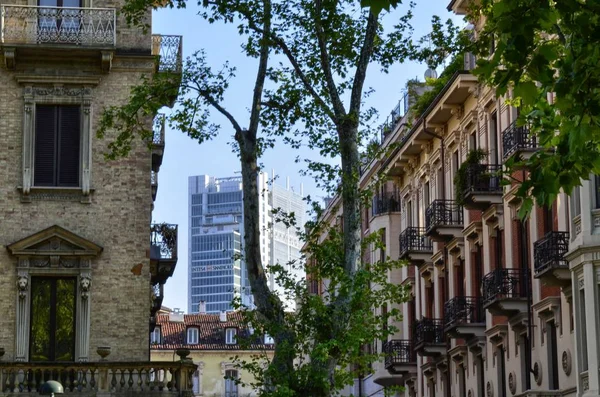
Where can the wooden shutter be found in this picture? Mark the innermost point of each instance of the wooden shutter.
(45, 145)
(68, 146)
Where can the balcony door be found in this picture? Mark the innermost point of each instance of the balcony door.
(52, 335)
(59, 21)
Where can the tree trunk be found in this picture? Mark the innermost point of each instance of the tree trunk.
(267, 303)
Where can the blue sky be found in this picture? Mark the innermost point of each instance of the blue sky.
(184, 157)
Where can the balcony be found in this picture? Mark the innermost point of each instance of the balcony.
(415, 245)
(482, 186)
(158, 141)
(154, 184)
(430, 339)
(444, 220)
(163, 252)
(157, 298)
(464, 317)
(505, 291)
(385, 203)
(400, 357)
(549, 259)
(70, 31)
(173, 378)
(517, 141)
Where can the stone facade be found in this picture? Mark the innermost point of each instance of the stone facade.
(109, 209)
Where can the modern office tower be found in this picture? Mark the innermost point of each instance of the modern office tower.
(285, 241)
(216, 268)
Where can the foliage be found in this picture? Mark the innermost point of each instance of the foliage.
(436, 86)
(314, 98)
(547, 54)
(474, 158)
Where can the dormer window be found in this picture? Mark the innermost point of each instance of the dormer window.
(192, 336)
(269, 340)
(230, 334)
(155, 336)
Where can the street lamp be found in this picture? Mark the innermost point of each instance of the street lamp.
(51, 388)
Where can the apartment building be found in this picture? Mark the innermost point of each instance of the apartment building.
(501, 306)
(212, 341)
(83, 268)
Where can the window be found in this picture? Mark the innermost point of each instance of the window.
(155, 336)
(192, 336)
(57, 141)
(597, 191)
(52, 336)
(269, 340)
(231, 386)
(230, 336)
(56, 22)
(576, 201)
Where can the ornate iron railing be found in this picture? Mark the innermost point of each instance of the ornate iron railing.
(157, 298)
(395, 116)
(158, 129)
(169, 50)
(443, 213)
(505, 283)
(153, 178)
(463, 310)
(399, 351)
(429, 331)
(115, 378)
(549, 252)
(414, 239)
(58, 25)
(483, 178)
(516, 138)
(163, 240)
(385, 203)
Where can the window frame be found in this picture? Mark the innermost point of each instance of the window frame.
(56, 92)
(231, 386)
(153, 339)
(191, 334)
(230, 336)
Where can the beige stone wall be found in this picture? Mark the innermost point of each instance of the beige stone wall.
(117, 218)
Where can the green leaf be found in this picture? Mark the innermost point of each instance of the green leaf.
(527, 91)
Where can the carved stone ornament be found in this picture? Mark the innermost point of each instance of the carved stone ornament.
(512, 383)
(567, 362)
(489, 389)
(470, 393)
(537, 373)
(84, 284)
(22, 284)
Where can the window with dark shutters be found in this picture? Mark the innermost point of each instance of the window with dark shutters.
(57, 140)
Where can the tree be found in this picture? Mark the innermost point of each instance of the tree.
(325, 49)
(546, 53)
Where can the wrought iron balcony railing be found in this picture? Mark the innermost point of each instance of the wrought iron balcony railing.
(111, 378)
(157, 298)
(399, 351)
(385, 203)
(505, 284)
(483, 178)
(443, 213)
(429, 331)
(158, 130)
(463, 310)
(163, 241)
(549, 252)
(516, 138)
(169, 50)
(414, 239)
(23, 24)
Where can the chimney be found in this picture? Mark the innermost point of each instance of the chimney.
(223, 316)
(202, 307)
(176, 315)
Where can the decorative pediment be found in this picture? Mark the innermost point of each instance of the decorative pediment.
(54, 241)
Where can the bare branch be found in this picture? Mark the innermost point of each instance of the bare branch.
(363, 62)
(208, 98)
(262, 69)
(338, 106)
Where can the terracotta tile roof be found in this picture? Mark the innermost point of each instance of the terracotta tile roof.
(211, 332)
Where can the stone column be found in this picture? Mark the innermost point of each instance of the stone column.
(83, 315)
(23, 305)
(591, 323)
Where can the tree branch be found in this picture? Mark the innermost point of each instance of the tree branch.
(222, 110)
(338, 106)
(363, 62)
(262, 69)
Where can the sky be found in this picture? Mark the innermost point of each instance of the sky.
(185, 157)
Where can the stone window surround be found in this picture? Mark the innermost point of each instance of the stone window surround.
(57, 91)
(54, 262)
